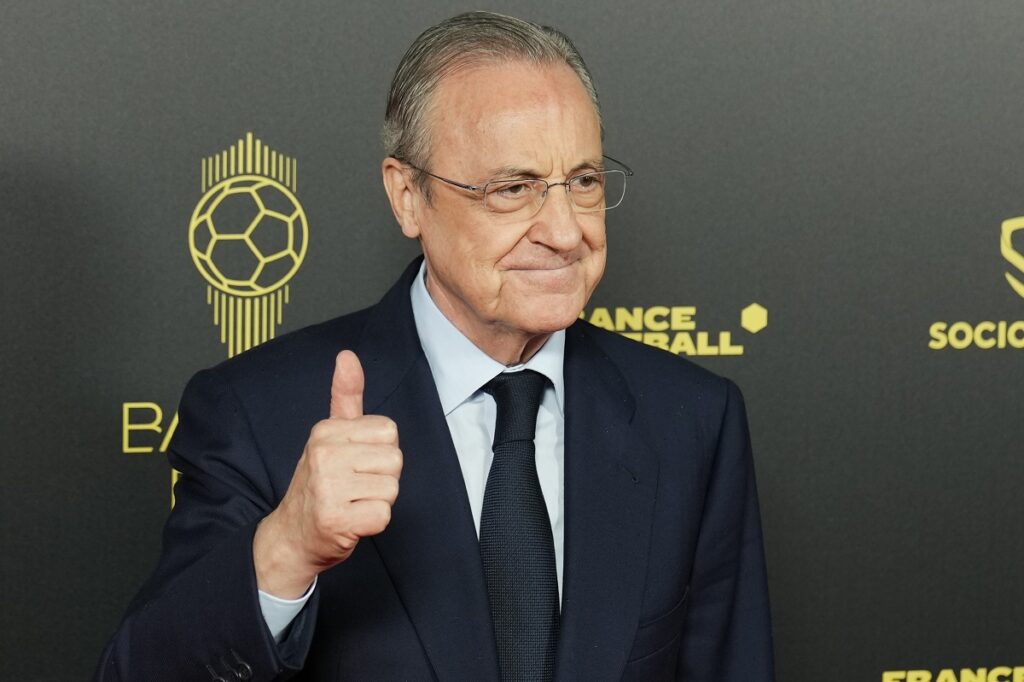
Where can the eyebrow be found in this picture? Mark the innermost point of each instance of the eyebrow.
(520, 171)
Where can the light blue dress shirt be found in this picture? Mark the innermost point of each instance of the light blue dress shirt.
(460, 370)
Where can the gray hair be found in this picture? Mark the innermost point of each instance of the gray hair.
(465, 40)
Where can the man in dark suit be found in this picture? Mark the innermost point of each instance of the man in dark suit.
(572, 505)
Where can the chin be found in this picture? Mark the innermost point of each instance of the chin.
(547, 319)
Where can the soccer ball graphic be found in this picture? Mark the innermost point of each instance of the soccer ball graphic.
(248, 235)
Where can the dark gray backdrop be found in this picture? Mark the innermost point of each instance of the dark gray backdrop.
(847, 165)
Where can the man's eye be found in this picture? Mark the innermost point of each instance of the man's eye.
(513, 190)
(587, 182)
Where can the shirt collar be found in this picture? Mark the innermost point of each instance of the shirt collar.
(459, 368)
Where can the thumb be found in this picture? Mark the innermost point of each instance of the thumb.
(347, 387)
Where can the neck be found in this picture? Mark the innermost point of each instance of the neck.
(516, 352)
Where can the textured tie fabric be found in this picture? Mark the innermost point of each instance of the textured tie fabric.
(516, 547)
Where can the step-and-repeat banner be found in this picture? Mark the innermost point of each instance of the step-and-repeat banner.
(828, 207)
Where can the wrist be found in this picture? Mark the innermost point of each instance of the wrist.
(280, 569)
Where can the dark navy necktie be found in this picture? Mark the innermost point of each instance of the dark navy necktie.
(516, 546)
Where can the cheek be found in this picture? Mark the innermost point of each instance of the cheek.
(468, 240)
(594, 236)
(465, 256)
(597, 263)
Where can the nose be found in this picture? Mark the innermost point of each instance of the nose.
(556, 225)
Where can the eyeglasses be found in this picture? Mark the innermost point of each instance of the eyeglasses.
(522, 198)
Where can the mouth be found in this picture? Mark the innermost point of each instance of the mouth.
(547, 267)
(550, 278)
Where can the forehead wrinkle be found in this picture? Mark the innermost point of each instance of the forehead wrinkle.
(524, 171)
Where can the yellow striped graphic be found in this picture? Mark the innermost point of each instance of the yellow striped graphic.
(248, 311)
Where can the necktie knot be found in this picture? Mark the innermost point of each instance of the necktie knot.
(517, 396)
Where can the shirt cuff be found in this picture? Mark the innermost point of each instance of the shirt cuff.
(279, 613)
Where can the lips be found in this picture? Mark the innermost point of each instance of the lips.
(559, 279)
(553, 267)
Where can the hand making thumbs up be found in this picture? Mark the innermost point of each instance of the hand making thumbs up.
(343, 488)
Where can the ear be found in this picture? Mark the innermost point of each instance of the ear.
(402, 194)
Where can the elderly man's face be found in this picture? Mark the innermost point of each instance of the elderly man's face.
(490, 277)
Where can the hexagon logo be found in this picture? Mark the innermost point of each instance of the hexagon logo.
(754, 318)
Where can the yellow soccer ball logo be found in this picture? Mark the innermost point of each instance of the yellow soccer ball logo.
(248, 235)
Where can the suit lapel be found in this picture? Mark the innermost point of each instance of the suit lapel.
(610, 483)
(430, 548)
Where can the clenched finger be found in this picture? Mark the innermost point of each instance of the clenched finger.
(369, 517)
(367, 458)
(374, 487)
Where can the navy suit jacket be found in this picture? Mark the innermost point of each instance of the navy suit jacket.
(664, 575)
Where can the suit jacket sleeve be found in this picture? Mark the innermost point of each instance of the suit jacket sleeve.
(198, 617)
(727, 633)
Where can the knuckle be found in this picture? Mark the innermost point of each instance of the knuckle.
(320, 490)
(320, 429)
(383, 428)
(383, 515)
(387, 490)
(314, 455)
(319, 453)
(323, 524)
(397, 459)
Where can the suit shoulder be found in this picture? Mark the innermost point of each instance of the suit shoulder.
(658, 373)
(297, 353)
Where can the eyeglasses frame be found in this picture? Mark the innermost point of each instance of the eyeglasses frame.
(625, 170)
